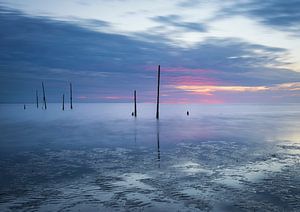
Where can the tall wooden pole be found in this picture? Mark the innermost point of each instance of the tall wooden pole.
(157, 102)
(71, 97)
(63, 102)
(44, 96)
(135, 111)
(37, 98)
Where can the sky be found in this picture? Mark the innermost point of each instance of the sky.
(210, 52)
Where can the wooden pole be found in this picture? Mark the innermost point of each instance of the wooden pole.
(37, 98)
(71, 97)
(63, 103)
(44, 96)
(158, 83)
(135, 111)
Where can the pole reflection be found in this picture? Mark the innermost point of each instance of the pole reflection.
(158, 143)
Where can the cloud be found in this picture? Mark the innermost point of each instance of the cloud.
(209, 90)
(93, 24)
(101, 64)
(176, 21)
(294, 86)
(189, 3)
(283, 15)
(35, 49)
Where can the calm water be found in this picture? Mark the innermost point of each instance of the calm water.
(99, 158)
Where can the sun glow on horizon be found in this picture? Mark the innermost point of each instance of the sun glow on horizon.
(210, 89)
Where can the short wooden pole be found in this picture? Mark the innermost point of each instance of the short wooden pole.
(44, 96)
(135, 110)
(37, 98)
(63, 102)
(71, 96)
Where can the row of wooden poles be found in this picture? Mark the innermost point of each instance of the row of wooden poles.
(71, 97)
(45, 101)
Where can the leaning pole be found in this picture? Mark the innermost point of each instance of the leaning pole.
(44, 96)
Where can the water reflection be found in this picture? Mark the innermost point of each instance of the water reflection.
(207, 159)
(158, 143)
(135, 131)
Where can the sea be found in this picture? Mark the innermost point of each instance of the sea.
(98, 157)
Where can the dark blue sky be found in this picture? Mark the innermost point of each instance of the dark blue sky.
(245, 51)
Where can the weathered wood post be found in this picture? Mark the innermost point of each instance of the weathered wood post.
(44, 96)
(71, 97)
(37, 98)
(135, 111)
(157, 101)
(63, 102)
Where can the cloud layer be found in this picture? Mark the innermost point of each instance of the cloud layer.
(108, 66)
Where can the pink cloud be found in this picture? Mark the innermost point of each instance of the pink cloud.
(190, 80)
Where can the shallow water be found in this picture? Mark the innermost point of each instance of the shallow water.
(99, 158)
